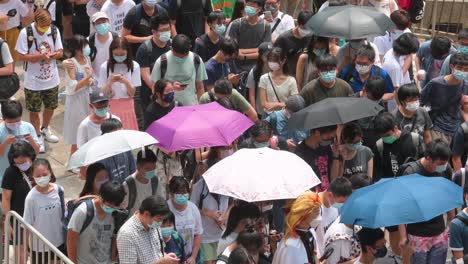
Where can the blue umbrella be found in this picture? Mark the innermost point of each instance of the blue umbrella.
(403, 200)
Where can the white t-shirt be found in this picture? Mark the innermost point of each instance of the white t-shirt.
(44, 3)
(211, 231)
(329, 215)
(119, 89)
(102, 54)
(44, 212)
(284, 90)
(6, 55)
(188, 224)
(40, 75)
(143, 191)
(89, 130)
(92, 8)
(117, 14)
(21, 8)
(346, 51)
(393, 65)
(287, 23)
(291, 250)
(385, 43)
(225, 242)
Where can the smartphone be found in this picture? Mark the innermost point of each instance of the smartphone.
(268, 15)
(12, 13)
(20, 136)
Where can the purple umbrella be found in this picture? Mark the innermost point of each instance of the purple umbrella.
(206, 125)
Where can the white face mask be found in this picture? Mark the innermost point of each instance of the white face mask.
(316, 222)
(412, 106)
(363, 69)
(42, 181)
(274, 66)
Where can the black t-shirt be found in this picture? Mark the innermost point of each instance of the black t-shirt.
(293, 47)
(146, 58)
(140, 27)
(394, 155)
(205, 48)
(320, 159)
(436, 225)
(13, 180)
(155, 111)
(80, 18)
(190, 16)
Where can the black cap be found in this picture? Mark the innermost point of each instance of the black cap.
(264, 47)
(98, 96)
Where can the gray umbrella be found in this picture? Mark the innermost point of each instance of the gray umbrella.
(349, 22)
(332, 111)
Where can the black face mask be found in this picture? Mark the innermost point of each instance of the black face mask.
(380, 252)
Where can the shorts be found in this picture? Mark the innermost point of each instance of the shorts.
(35, 99)
(391, 229)
(11, 36)
(209, 251)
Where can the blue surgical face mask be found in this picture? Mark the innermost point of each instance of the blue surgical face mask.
(108, 210)
(103, 28)
(119, 59)
(181, 199)
(86, 51)
(151, 2)
(463, 49)
(150, 174)
(460, 75)
(441, 168)
(102, 112)
(354, 147)
(220, 29)
(167, 231)
(319, 52)
(337, 205)
(250, 11)
(328, 76)
(156, 224)
(165, 36)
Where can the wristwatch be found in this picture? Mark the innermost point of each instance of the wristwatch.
(340, 158)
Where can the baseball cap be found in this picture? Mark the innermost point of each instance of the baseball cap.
(99, 15)
(98, 96)
(295, 103)
(264, 47)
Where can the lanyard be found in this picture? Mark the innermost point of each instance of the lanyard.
(25, 177)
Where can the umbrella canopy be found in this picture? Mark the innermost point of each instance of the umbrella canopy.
(108, 145)
(403, 200)
(261, 174)
(206, 125)
(332, 111)
(350, 22)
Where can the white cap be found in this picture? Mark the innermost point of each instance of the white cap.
(99, 15)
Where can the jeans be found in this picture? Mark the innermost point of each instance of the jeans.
(436, 255)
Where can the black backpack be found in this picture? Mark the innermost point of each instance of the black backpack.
(31, 39)
(132, 191)
(9, 84)
(417, 10)
(92, 44)
(409, 162)
(196, 61)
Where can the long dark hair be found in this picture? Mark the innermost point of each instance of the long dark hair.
(259, 69)
(119, 43)
(241, 211)
(78, 42)
(310, 47)
(159, 88)
(278, 54)
(44, 162)
(18, 149)
(237, 11)
(91, 173)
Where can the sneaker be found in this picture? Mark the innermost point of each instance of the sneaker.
(41, 144)
(49, 136)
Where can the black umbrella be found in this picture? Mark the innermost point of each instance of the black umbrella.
(332, 111)
(350, 22)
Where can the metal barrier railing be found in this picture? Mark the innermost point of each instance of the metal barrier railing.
(21, 236)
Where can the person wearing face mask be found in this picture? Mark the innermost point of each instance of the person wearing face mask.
(41, 77)
(12, 130)
(96, 175)
(140, 240)
(279, 22)
(357, 73)
(116, 10)
(44, 209)
(91, 240)
(306, 69)
(462, 42)
(410, 116)
(402, 21)
(429, 239)
(356, 157)
(327, 84)
(118, 78)
(208, 44)
(294, 41)
(16, 184)
(79, 81)
(372, 245)
(163, 102)
(100, 40)
(444, 96)
(137, 23)
(347, 53)
(299, 243)
(172, 240)
(249, 32)
(187, 218)
(260, 135)
(321, 153)
(143, 182)
(276, 86)
(147, 54)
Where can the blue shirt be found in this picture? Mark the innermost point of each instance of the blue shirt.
(357, 84)
(427, 61)
(217, 71)
(25, 128)
(120, 166)
(281, 120)
(459, 234)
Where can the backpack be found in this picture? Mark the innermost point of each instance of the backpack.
(9, 84)
(462, 178)
(417, 10)
(31, 39)
(132, 191)
(70, 208)
(349, 74)
(463, 220)
(243, 89)
(380, 146)
(196, 61)
(92, 44)
(409, 162)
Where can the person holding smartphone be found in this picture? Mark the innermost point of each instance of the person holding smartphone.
(279, 22)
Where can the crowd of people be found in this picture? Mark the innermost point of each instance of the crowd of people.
(127, 64)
